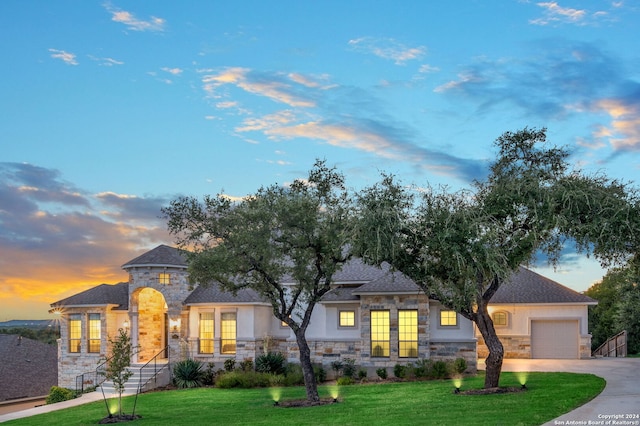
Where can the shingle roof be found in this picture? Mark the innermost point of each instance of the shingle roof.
(162, 255)
(104, 294)
(527, 286)
(213, 294)
(341, 294)
(28, 368)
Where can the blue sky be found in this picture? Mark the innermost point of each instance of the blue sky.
(111, 109)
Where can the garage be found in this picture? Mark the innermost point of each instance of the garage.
(555, 339)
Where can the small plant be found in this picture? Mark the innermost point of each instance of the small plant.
(422, 368)
(209, 375)
(349, 367)
(382, 373)
(439, 370)
(400, 371)
(246, 364)
(320, 373)
(294, 376)
(362, 374)
(188, 374)
(229, 364)
(460, 365)
(337, 366)
(272, 362)
(345, 381)
(58, 394)
(117, 366)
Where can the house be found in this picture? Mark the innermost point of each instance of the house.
(28, 368)
(373, 315)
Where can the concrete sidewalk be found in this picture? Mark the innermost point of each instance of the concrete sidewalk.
(84, 399)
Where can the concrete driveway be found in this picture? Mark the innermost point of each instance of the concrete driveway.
(618, 404)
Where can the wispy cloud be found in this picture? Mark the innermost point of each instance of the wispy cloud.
(557, 82)
(387, 48)
(66, 57)
(106, 62)
(173, 71)
(554, 14)
(135, 24)
(277, 87)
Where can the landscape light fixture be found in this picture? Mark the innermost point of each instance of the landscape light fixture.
(523, 387)
(276, 403)
(457, 390)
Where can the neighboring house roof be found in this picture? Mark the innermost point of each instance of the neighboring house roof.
(162, 255)
(527, 286)
(104, 294)
(213, 294)
(28, 368)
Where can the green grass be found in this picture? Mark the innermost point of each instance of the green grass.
(432, 403)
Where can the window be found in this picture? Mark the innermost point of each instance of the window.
(448, 318)
(379, 333)
(75, 333)
(206, 333)
(347, 319)
(228, 333)
(164, 278)
(500, 319)
(94, 332)
(408, 334)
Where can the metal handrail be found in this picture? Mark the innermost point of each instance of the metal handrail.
(155, 373)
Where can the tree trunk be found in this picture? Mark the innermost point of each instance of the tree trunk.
(307, 367)
(496, 350)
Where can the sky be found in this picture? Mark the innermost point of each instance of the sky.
(110, 109)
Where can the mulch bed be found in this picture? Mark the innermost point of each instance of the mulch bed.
(294, 403)
(493, 391)
(119, 419)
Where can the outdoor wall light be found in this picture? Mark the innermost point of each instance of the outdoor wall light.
(125, 324)
(174, 324)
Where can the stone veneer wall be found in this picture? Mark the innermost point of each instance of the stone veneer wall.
(519, 347)
(72, 365)
(393, 303)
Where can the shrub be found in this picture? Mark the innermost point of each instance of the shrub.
(294, 376)
(58, 394)
(382, 373)
(244, 379)
(246, 364)
(188, 374)
(320, 373)
(422, 368)
(362, 374)
(439, 370)
(337, 366)
(400, 371)
(460, 365)
(229, 364)
(349, 367)
(345, 381)
(277, 380)
(272, 362)
(209, 375)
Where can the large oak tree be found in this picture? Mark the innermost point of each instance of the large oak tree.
(283, 242)
(460, 247)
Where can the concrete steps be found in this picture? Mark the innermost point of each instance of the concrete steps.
(142, 378)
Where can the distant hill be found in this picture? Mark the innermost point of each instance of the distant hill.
(26, 323)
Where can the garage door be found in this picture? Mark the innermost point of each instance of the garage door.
(554, 339)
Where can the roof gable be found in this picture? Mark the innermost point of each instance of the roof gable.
(104, 294)
(162, 255)
(213, 294)
(527, 286)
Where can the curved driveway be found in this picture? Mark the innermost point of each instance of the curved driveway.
(620, 398)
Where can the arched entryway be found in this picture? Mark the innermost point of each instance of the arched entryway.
(149, 325)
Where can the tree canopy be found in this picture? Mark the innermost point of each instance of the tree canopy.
(284, 242)
(461, 246)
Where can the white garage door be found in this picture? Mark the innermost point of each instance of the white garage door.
(554, 339)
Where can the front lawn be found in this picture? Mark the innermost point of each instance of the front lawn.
(430, 403)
